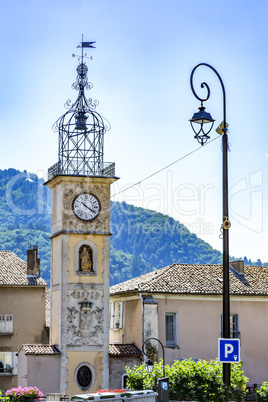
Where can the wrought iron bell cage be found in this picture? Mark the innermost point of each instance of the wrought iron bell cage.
(81, 135)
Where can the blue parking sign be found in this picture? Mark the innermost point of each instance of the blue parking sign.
(229, 350)
(164, 385)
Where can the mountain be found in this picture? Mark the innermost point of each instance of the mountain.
(25, 208)
(142, 240)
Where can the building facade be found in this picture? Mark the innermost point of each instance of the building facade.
(181, 305)
(39, 366)
(22, 314)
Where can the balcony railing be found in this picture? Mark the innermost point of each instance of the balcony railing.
(106, 169)
(6, 370)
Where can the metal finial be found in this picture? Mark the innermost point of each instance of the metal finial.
(81, 132)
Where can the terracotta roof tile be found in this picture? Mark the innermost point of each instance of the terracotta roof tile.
(127, 349)
(40, 350)
(197, 279)
(13, 271)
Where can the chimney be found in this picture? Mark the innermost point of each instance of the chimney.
(238, 266)
(33, 263)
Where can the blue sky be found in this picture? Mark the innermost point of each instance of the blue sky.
(145, 52)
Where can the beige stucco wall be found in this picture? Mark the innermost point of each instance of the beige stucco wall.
(132, 321)
(199, 327)
(41, 371)
(253, 326)
(27, 304)
(44, 373)
(75, 358)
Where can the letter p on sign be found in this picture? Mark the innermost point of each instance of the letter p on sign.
(229, 350)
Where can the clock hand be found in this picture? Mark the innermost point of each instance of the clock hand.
(85, 205)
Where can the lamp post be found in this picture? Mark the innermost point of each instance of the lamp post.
(200, 119)
(150, 352)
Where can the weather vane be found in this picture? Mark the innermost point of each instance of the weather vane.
(82, 46)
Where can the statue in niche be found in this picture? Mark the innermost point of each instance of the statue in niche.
(85, 259)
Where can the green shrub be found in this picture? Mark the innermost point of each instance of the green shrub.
(192, 380)
(262, 393)
(3, 398)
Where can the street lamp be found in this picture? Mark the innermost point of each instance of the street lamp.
(150, 352)
(200, 119)
(149, 365)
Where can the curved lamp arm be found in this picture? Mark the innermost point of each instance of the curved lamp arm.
(204, 84)
(152, 351)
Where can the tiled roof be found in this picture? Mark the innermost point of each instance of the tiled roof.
(40, 350)
(120, 350)
(13, 271)
(197, 279)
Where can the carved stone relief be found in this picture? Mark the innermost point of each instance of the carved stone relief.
(85, 317)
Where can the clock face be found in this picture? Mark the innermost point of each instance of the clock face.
(86, 207)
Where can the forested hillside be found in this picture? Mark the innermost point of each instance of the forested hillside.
(25, 215)
(142, 240)
(151, 240)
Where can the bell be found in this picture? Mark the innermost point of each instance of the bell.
(81, 120)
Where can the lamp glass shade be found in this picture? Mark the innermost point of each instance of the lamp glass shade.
(202, 117)
(198, 121)
(149, 366)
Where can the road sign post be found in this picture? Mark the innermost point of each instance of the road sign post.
(229, 350)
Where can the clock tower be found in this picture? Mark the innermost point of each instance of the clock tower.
(80, 243)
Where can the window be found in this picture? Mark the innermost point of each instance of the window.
(171, 328)
(234, 330)
(6, 323)
(84, 376)
(116, 315)
(8, 363)
(124, 380)
(234, 327)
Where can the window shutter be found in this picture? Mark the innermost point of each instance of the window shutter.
(9, 323)
(121, 314)
(111, 315)
(236, 326)
(2, 322)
